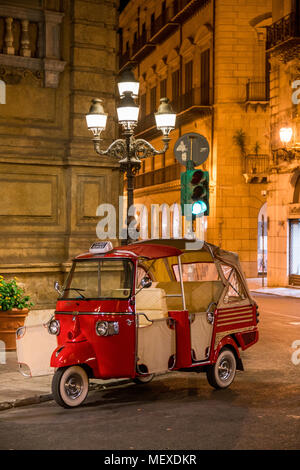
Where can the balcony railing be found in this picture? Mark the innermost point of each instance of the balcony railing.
(282, 30)
(197, 100)
(162, 20)
(160, 176)
(256, 164)
(139, 43)
(164, 25)
(257, 91)
(201, 96)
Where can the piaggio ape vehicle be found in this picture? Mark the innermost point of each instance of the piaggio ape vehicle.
(149, 307)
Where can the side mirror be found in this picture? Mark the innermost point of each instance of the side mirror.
(57, 287)
(146, 282)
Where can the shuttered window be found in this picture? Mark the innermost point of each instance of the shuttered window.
(205, 77)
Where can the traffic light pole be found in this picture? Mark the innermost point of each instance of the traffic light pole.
(188, 218)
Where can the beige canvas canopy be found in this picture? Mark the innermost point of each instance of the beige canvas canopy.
(203, 252)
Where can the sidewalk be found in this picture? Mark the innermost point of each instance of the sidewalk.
(17, 390)
(255, 285)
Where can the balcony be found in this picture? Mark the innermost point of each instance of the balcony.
(283, 33)
(257, 93)
(162, 27)
(160, 176)
(193, 104)
(30, 46)
(256, 168)
(125, 59)
(184, 9)
(141, 48)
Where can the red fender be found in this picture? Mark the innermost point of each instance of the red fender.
(227, 340)
(74, 353)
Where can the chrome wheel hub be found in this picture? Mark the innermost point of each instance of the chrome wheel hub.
(224, 369)
(74, 386)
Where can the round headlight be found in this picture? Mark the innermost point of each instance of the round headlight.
(54, 327)
(101, 328)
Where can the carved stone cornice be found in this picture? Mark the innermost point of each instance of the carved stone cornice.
(287, 51)
(14, 76)
(294, 211)
(288, 165)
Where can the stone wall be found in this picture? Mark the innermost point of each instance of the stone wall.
(51, 177)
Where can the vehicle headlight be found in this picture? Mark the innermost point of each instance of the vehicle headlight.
(54, 327)
(101, 328)
(107, 328)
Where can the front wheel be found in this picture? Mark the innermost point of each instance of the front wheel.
(70, 386)
(143, 379)
(222, 373)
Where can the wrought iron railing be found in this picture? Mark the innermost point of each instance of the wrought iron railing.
(159, 176)
(256, 164)
(257, 91)
(200, 96)
(139, 43)
(282, 30)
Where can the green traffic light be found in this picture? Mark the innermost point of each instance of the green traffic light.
(199, 207)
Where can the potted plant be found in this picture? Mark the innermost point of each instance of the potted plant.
(14, 307)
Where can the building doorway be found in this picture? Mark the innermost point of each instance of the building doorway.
(262, 241)
(294, 241)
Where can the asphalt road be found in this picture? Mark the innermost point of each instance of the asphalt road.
(261, 410)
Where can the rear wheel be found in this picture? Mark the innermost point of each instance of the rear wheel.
(70, 386)
(222, 373)
(143, 379)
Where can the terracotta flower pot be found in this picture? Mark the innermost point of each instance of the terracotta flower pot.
(10, 321)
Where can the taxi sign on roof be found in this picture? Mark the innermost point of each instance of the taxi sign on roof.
(101, 247)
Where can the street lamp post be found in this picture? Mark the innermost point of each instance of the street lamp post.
(129, 151)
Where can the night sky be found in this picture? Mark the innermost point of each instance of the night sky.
(123, 4)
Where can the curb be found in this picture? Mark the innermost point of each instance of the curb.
(36, 399)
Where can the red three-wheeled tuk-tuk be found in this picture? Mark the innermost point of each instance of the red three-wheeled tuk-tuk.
(149, 307)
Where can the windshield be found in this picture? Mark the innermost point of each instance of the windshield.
(99, 279)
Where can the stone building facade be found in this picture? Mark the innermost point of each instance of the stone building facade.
(55, 56)
(283, 196)
(208, 57)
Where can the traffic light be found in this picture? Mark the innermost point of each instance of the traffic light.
(195, 191)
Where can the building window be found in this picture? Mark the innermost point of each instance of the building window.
(143, 105)
(188, 76)
(163, 88)
(175, 86)
(294, 252)
(152, 23)
(205, 77)
(153, 100)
